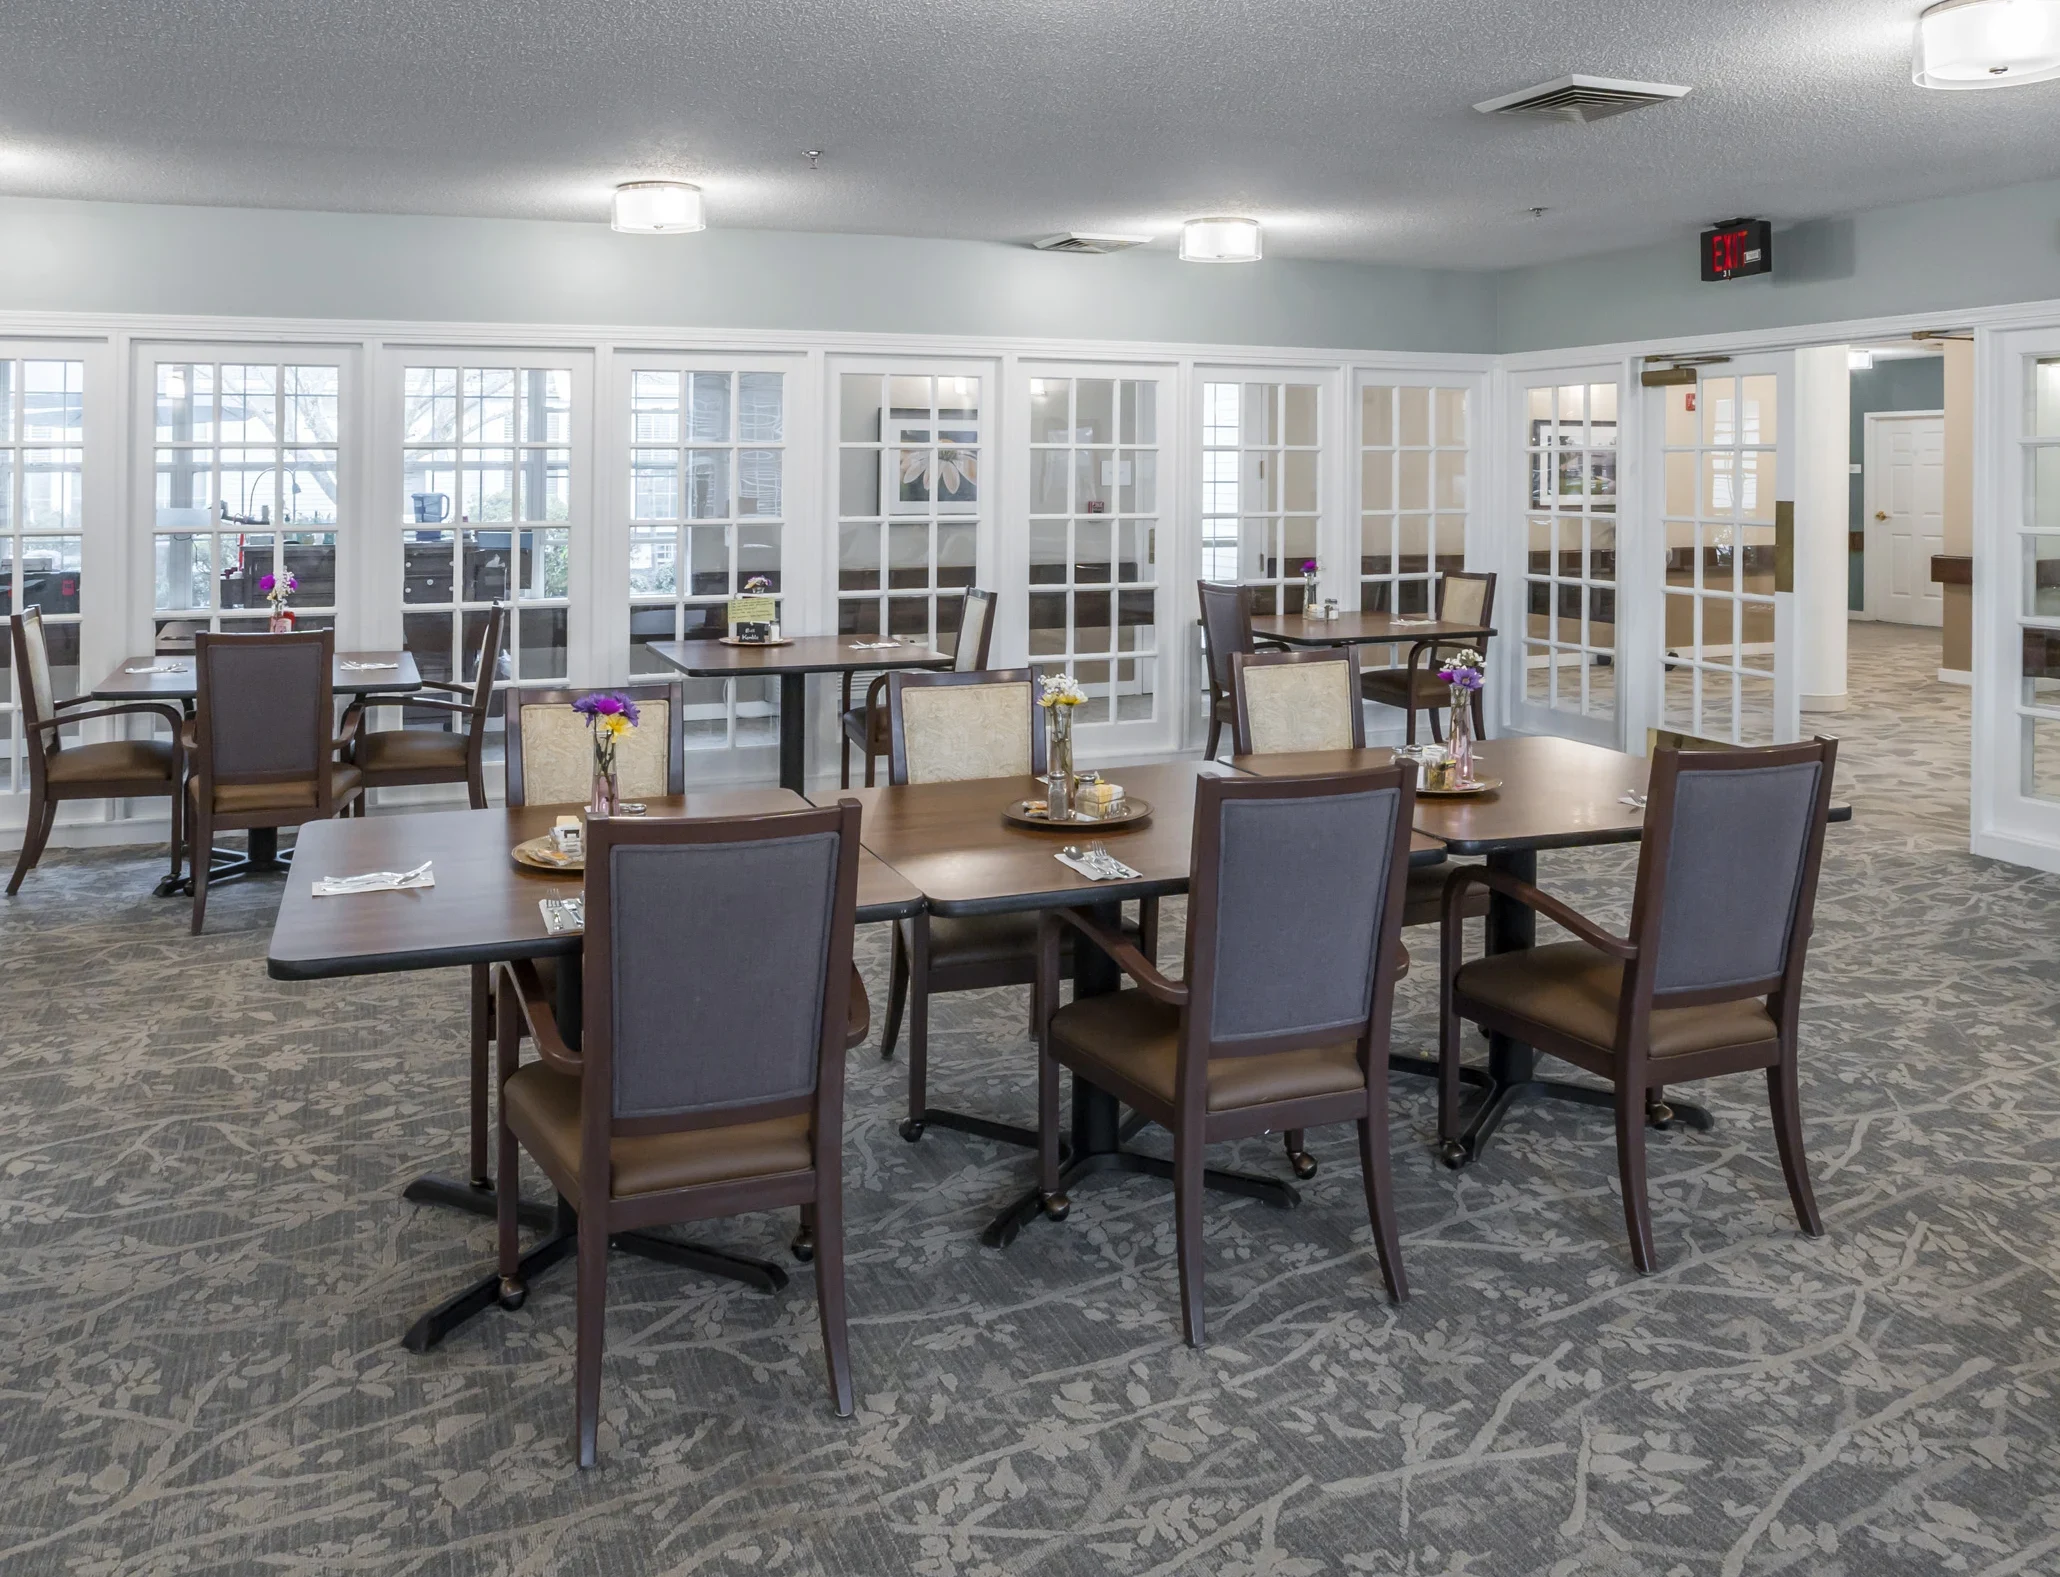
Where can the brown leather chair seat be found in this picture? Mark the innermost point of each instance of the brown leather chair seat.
(866, 728)
(1393, 687)
(1131, 1034)
(542, 1108)
(1573, 988)
(242, 799)
(1424, 902)
(412, 750)
(991, 939)
(115, 761)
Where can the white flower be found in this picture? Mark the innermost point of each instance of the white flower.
(1061, 690)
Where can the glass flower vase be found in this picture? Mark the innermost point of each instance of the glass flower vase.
(1461, 735)
(1312, 603)
(607, 792)
(1058, 764)
(280, 623)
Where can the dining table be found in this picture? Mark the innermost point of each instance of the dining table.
(171, 676)
(1365, 628)
(953, 844)
(792, 660)
(1550, 793)
(485, 908)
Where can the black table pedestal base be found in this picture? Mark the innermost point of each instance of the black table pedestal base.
(1500, 1097)
(264, 858)
(475, 1199)
(1003, 1229)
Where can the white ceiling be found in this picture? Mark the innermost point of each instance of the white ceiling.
(1344, 124)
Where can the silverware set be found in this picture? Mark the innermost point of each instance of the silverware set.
(1100, 863)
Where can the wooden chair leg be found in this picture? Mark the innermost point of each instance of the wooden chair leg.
(1056, 1204)
(475, 787)
(1437, 734)
(508, 1200)
(1409, 725)
(1630, 1105)
(203, 863)
(178, 824)
(829, 1290)
(1148, 929)
(592, 1299)
(1448, 1082)
(871, 766)
(1187, 1231)
(35, 833)
(844, 761)
(1378, 1176)
(1299, 1158)
(897, 994)
(480, 1028)
(1215, 734)
(918, 1027)
(1480, 717)
(1783, 1101)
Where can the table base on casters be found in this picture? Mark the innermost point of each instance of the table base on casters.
(264, 858)
(1512, 1069)
(1096, 1141)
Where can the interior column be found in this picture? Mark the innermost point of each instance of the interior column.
(1823, 421)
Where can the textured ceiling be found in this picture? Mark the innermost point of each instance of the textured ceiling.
(1344, 124)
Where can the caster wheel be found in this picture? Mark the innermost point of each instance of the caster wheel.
(1057, 1206)
(1453, 1154)
(513, 1294)
(803, 1246)
(1304, 1164)
(1660, 1115)
(912, 1130)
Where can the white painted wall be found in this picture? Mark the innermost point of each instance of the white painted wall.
(1823, 422)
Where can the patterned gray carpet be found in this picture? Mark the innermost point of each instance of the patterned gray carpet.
(209, 1268)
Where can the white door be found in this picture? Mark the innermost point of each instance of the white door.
(1725, 503)
(1905, 508)
(2016, 756)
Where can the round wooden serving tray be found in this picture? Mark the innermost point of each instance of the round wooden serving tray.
(1485, 786)
(1018, 813)
(539, 855)
(731, 640)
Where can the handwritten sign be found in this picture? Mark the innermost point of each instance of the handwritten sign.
(753, 610)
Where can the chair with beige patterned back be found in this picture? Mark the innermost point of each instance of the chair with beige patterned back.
(550, 749)
(265, 740)
(1463, 598)
(60, 771)
(1289, 701)
(407, 757)
(866, 725)
(1707, 980)
(709, 1077)
(947, 728)
(1281, 1018)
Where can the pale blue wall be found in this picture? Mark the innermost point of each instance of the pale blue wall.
(112, 257)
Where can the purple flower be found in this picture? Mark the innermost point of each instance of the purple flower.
(267, 584)
(1308, 566)
(607, 704)
(1461, 678)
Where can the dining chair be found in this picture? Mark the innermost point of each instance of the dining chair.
(866, 726)
(947, 728)
(1290, 701)
(265, 740)
(1464, 597)
(408, 757)
(709, 1078)
(550, 749)
(1708, 979)
(60, 771)
(1280, 1020)
(1226, 632)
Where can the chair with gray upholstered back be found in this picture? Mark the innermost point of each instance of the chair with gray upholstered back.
(408, 757)
(949, 728)
(59, 771)
(1464, 597)
(1226, 631)
(265, 740)
(1294, 921)
(866, 725)
(709, 1078)
(1709, 978)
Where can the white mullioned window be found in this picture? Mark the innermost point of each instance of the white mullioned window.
(1570, 566)
(1261, 487)
(1412, 493)
(42, 464)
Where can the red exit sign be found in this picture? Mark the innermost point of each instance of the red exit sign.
(1737, 249)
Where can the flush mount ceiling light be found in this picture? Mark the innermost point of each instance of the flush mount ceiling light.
(1987, 44)
(657, 208)
(1220, 241)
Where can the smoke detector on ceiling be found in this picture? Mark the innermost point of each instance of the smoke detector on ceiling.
(1582, 98)
(1088, 243)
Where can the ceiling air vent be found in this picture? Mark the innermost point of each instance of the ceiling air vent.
(1089, 244)
(1582, 98)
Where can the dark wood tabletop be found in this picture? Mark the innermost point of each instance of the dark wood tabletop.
(950, 842)
(802, 654)
(1361, 629)
(1555, 794)
(483, 907)
(183, 685)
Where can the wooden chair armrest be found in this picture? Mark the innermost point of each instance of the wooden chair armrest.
(874, 691)
(1128, 959)
(428, 703)
(165, 710)
(75, 700)
(353, 727)
(1533, 898)
(450, 685)
(540, 1015)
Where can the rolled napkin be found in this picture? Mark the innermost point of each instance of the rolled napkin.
(873, 646)
(157, 668)
(374, 882)
(355, 667)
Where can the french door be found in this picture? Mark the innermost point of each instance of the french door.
(2016, 776)
(1724, 576)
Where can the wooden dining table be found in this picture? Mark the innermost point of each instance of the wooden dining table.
(1368, 628)
(483, 909)
(1554, 794)
(951, 842)
(791, 661)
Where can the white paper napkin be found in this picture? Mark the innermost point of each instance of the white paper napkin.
(874, 646)
(157, 668)
(563, 916)
(1105, 869)
(374, 882)
(350, 667)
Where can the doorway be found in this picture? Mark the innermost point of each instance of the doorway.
(1903, 505)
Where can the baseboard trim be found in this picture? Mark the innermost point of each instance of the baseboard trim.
(1962, 676)
(1825, 703)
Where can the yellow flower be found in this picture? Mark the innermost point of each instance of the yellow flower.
(613, 724)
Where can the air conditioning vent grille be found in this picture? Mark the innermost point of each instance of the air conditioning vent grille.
(1582, 99)
(1089, 244)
